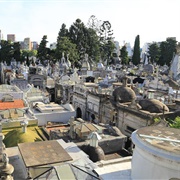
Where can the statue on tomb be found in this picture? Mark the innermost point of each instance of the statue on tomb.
(86, 57)
(86, 63)
(63, 67)
(68, 62)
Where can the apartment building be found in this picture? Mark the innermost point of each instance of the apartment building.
(34, 45)
(11, 37)
(27, 44)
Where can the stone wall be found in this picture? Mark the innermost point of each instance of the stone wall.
(112, 144)
(129, 119)
(63, 117)
(109, 145)
(17, 124)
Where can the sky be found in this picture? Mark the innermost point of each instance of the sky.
(152, 20)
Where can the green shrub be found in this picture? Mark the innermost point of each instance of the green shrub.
(156, 120)
(175, 123)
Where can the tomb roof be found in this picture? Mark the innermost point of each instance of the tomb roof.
(162, 138)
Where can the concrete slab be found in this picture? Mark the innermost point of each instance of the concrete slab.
(115, 170)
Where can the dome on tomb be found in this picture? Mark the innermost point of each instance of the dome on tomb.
(124, 94)
(153, 105)
(95, 153)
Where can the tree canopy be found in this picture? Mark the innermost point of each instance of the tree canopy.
(95, 40)
(10, 50)
(86, 40)
(168, 50)
(154, 52)
(68, 48)
(124, 55)
(163, 52)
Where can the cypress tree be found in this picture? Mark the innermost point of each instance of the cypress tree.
(136, 54)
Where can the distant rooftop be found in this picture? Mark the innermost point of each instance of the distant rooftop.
(49, 107)
(40, 107)
(9, 88)
(17, 103)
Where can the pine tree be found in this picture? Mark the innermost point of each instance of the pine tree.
(77, 36)
(63, 32)
(136, 54)
(42, 50)
(92, 44)
(86, 40)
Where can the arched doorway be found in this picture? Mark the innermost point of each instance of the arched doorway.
(93, 119)
(78, 113)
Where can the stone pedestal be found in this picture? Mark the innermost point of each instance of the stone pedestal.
(6, 171)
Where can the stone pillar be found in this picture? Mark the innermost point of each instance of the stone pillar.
(176, 94)
(72, 125)
(2, 146)
(125, 81)
(6, 169)
(24, 125)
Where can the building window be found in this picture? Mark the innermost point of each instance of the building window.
(90, 105)
(96, 108)
(58, 93)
